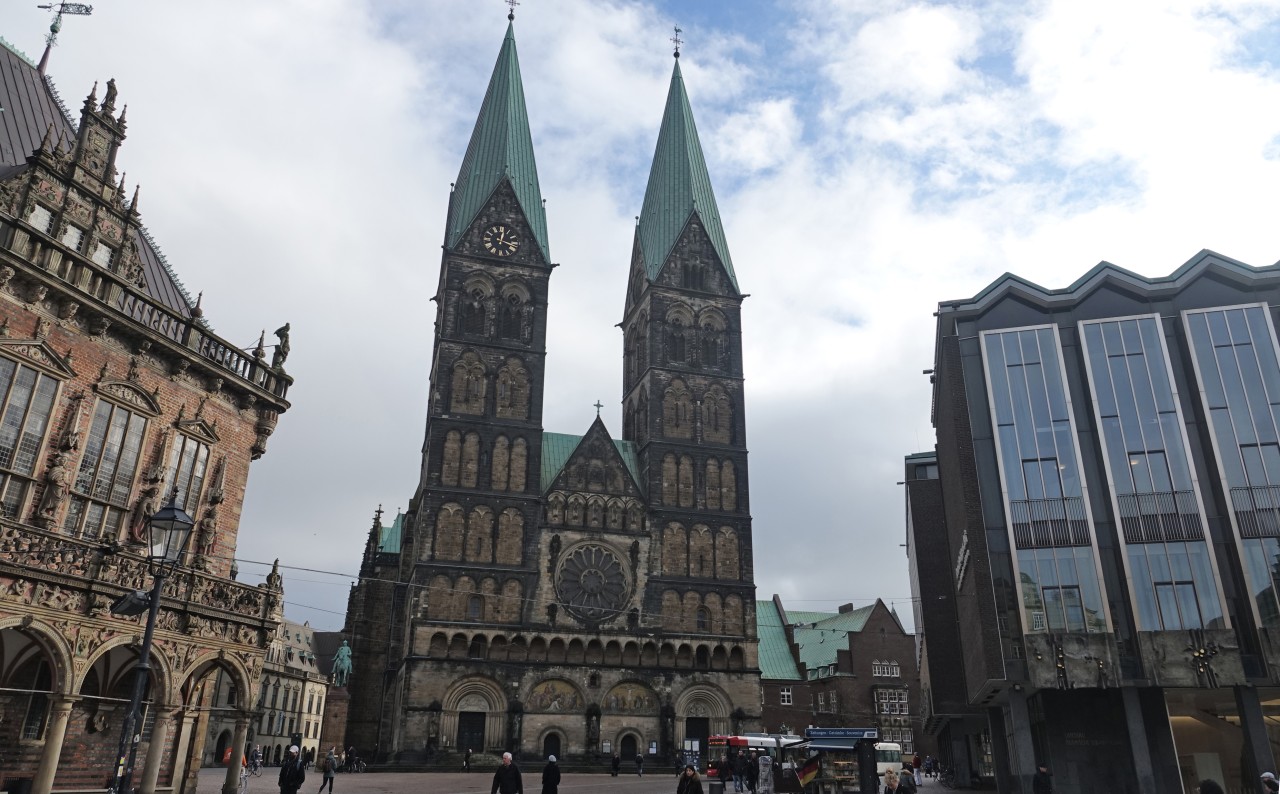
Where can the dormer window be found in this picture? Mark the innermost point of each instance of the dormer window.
(73, 237)
(103, 254)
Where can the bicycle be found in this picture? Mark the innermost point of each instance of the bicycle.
(244, 780)
(947, 777)
(255, 768)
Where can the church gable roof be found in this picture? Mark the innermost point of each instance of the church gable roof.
(679, 187)
(501, 148)
(559, 448)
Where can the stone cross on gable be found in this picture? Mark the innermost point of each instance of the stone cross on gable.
(598, 406)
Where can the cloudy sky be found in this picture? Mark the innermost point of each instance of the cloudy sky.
(870, 157)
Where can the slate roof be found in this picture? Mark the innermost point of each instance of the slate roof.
(501, 147)
(776, 661)
(557, 448)
(391, 536)
(679, 186)
(30, 107)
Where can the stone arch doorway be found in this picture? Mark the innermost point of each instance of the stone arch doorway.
(551, 745)
(629, 747)
(224, 741)
(474, 715)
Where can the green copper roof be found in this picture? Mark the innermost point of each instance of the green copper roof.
(500, 148)
(776, 661)
(389, 541)
(678, 187)
(821, 634)
(558, 447)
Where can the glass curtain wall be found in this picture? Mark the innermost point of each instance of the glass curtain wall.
(1048, 517)
(1152, 487)
(1234, 351)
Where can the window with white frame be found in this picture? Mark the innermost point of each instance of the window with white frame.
(41, 218)
(188, 463)
(103, 254)
(785, 695)
(104, 480)
(886, 669)
(72, 237)
(822, 702)
(26, 401)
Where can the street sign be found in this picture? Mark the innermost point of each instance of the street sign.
(842, 733)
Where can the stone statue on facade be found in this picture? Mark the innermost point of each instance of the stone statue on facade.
(342, 665)
(57, 484)
(282, 349)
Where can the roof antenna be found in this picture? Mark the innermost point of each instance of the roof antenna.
(511, 15)
(676, 40)
(75, 9)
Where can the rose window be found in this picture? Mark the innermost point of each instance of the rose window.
(592, 583)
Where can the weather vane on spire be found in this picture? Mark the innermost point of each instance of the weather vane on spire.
(676, 40)
(75, 9)
(511, 15)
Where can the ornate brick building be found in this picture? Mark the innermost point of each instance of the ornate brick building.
(114, 392)
(553, 593)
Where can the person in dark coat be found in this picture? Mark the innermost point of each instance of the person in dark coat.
(550, 776)
(616, 763)
(466, 760)
(507, 779)
(740, 772)
(689, 782)
(292, 773)
(753, 772)
(639, 764)
(1042, 781)
(907, 779)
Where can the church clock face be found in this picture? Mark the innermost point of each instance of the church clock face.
(592, 583)
(501, 241)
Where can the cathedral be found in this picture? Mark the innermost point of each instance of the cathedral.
(548, 593)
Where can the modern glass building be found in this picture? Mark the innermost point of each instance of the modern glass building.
(1108, 459)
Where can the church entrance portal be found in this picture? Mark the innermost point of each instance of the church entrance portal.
(698, 728)
(551, 745)
(628, 751)
(471, 731)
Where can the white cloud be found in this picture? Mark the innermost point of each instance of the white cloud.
(296, 157)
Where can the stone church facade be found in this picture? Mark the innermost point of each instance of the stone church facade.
(568, 594)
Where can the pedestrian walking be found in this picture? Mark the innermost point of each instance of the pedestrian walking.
(550, 776)
(466, 760)
(639, 764)
(891, 782)
(753, 772)
(292, 773)
(507, 779)
(329, 768)
(907, 780)
(689, 782)
(916, 764)
(616, 764)
(740, 772)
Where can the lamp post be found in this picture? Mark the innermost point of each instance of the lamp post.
(168, 530)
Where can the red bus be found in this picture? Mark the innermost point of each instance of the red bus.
(762, 743)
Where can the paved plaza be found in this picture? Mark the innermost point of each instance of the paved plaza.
(211, 780)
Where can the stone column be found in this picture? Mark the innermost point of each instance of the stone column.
(238, 738)
(156, 747)
(182, 748)
(54, 735)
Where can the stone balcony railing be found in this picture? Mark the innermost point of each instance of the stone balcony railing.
(80, 577)
(112, 290)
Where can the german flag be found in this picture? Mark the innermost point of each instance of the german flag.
(810, 769)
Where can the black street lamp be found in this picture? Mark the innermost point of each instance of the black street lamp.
(168, 530)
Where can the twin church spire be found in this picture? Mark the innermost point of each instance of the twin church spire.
(501, 148)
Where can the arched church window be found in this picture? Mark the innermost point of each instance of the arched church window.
(475, 607)
(694, 275)
(473, 312)
(713, 484)
(677, 411)
(511, 317)
(675, 341)
(717, 416)
(685, 487)
(449, 532)
(500, 470)
(468, 385)
(669, 475)
(451, 462)
(510, 537)
(513, 390)
(728, 486)
(519, 465)
(470, 460)
(703, 619)
(479, 539)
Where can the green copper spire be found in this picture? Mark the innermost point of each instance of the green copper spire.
(500, 148)
(679, 186)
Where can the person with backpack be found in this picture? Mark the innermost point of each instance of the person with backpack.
(292, 773)
(329, 768)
